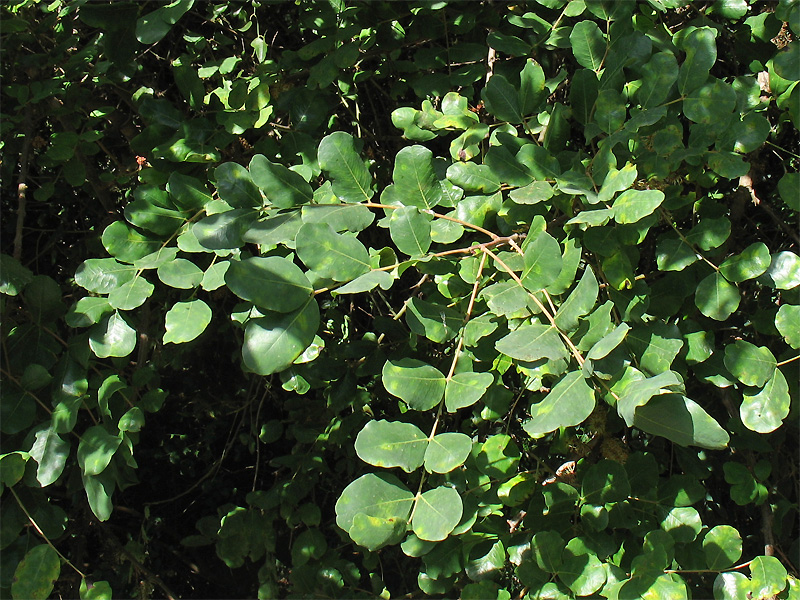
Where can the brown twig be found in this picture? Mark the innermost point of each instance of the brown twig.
(22, 181)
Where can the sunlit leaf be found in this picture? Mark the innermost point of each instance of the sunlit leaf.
(569, 403)
(392, 444)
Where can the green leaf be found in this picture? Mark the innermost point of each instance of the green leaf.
(189, 193)
(767, 576)
(658, 76)
(502, 99)
(610, 341)
(99, 590)
(722, 547)
(751, 263)
(12, 467)
(50, 452)
(701, 54)
(787, 63)
(637, 390)
(132, 420)
(569, 403)
(633, 205)
(787, 188)
(415, 182)
(472, 177)
(180, 273)
(126, 244)
(129, 295)
(338, 157)
(750, 364)
(783, 272)
(437, 322)
(392, 444)
(710, 233)
(533, 193)
(418, 384)
(610, 110)
(533, 342)
(605, 481)
(765, 410)
(271, 282)
(731, 586)
(96, 449)
(436, 513)
(382, 497)
(580, 302)
(274, 341)
(547, 548)
(716, 298)
(236, 187)
(13, 276)
(506, 166)
(787, 322)
(366, 282)
(657, 345)
(506, 298)
(224, 230)
(446, 451)
(338, 257)
(588, 44)
(282, 187)
(410, 230)
(156, 259)
(185, 321)
(710, 103)
(498, 457)
(682, 421)
(617, 181)
(153, 26)
(342, 217)
(112, 337)
(36, 574)
(531, 89)
(583, 574)
(542, 262)
(214, 276)
(465, 389)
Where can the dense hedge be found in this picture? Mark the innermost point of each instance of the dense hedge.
(400, 299)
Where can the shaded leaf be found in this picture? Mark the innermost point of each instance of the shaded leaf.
(569, 403)
(36, 574)
(339, 257)
(271, 282)
(282, 187)
(351, 179)
(682, 421)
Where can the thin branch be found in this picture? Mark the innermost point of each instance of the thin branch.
(22, 181)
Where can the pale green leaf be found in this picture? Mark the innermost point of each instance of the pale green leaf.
(580, 302)
(765, 410)
(50, 451)
(682, 421)
(185, 321)
(112, 336)
(410, 230)
(36, 574)
(446, 451)
(750, 364)
(722, 547)
(436, 513)
(716, 298)
(418, 384)
(588, 44)
(465, 389)
(569, 403)
(533, 342)
(392, 444)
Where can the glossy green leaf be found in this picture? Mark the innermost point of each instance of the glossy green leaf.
(605, 481)
(542, 262)
(282, 187)
(658, 76)
(731, 586)
(682, 421)
(271, 282)
(767, 576)
(236, 187)
(112, 336)
(588, 44)
(435, 321)
(750, 364)
(472, 177)
(507, 167)
(485, 560)
(765, 410)
(583, 574)
(130, 295)
(656, 344)
(415, 182)
(274, 341)
(716, 298)
(532, 342)
(636, 390)
(418, 384)
(153, 218)
(436, 513)
(701, 54)
(214, 276)
(787, 188)
(87, 311)
(710, 233)
(132, 420)
(498, 457)
(224, 230)
(338, 157)
(722, 547)
(381, 497)
(156, 259)
(787, 322)
(465, 389)
(531, 89)
(153, 26)
(580, 302)
(185, 321)
(392, 444)
(610, 341)
(410, 230)
(633, 205)
(502, 99)
(446, 451)
(569, 403)
(50, 451)
(749, 264)
(126, 244)
(36, 574)
(339, 257)
(96, 449)
(533, 193)
(366, 282)
(180, 273)
(342, 217)
(547, 548)
(783, 272)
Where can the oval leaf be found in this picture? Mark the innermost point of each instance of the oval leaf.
(392, 444)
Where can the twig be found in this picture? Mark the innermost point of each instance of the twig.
(22, 181)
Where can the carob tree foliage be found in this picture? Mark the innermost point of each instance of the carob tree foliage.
(359, 299)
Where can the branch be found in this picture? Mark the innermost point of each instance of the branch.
(22, 181)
